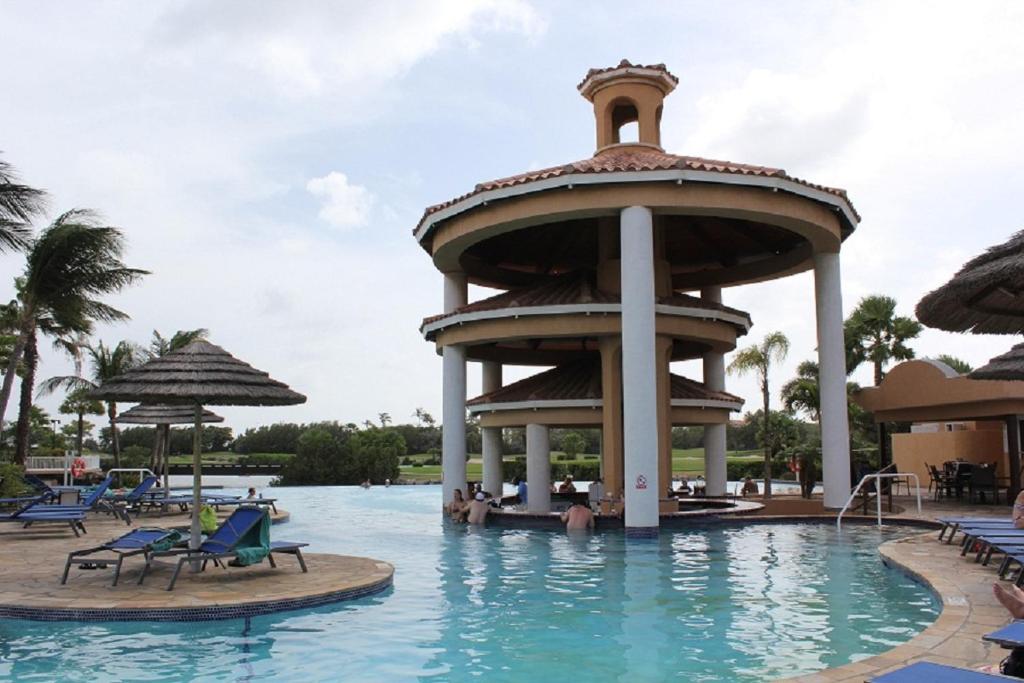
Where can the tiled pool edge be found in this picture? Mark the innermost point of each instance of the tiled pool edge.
(204, 613)
(955, 636)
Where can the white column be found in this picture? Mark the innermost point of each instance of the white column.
(491, 436)
(538, 469)
(714, 435)
(453, 407)
(639, 367)
(835, 430)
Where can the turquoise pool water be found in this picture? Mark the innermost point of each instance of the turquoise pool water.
(724, 603)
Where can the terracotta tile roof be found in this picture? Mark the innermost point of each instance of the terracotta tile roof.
(633, 159)
(626, 64)
(572, 288)
(582, 381)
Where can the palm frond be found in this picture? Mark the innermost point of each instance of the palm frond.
(18, 205)
(65, 382)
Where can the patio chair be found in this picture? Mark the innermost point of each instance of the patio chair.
(983, 480)
(244, 538)
(140, 541)
(34, 511)
(929, 672)
(941, 480)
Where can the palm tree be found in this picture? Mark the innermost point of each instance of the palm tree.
(875, 333)
(758, 359)
(73, 261)
(802, 392)
(107, 363)
(161, 345)
(961, 366)
(78, 403)
(18, 204)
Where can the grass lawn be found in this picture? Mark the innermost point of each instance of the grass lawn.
(689, 462)
(221, 456)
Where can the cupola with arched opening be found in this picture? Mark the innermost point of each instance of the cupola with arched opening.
(624, 95)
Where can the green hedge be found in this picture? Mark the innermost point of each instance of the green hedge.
(587, 471)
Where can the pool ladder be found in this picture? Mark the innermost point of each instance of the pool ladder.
(878, 492)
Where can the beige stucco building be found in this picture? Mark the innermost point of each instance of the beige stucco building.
(611, 268)
(953, 417)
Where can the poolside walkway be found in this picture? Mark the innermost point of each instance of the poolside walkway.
(32, 560)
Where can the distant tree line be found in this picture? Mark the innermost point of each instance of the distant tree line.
(212, 438)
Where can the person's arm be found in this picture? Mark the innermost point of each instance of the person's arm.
(590, 521)
(564, 517)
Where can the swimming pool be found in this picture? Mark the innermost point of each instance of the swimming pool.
(719, 603)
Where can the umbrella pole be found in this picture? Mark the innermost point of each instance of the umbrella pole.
(197, 482)
(165, 449)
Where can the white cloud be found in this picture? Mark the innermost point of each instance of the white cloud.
(309, 49)
(345, 206)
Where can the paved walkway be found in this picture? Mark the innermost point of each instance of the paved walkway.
(32, 560)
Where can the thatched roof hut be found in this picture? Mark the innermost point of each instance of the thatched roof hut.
(1009, 365)
(148, 414)
(163, 416)
(984, 297)
(200, 373)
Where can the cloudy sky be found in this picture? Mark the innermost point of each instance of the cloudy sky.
(268, 161)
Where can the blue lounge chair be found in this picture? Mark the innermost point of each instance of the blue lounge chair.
(929, 672)
(140, 541)
(985, 540)
(954, 523)
(133, 499)
(1011, 635)
(34, 511)
(93, 503)
(184, 501)
(243, 537)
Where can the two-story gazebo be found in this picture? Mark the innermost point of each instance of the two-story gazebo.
(595, 259)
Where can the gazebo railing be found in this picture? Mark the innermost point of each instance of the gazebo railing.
(877, 476)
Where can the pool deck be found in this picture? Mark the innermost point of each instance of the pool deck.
(32, 560)
(964, 588)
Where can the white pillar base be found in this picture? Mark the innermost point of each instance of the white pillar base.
(538, 469)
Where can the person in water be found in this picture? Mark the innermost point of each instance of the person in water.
(458, 508)
(477, 509)
(749, 487)
(578, 516)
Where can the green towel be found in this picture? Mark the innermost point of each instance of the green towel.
(208, 519)
(254, 546)
(172, 539)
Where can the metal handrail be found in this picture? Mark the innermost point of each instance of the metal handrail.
(878, 493)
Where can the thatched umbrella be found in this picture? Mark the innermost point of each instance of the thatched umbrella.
(1009, 365)
(196, 375)
(985, 297)
(163, 416)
